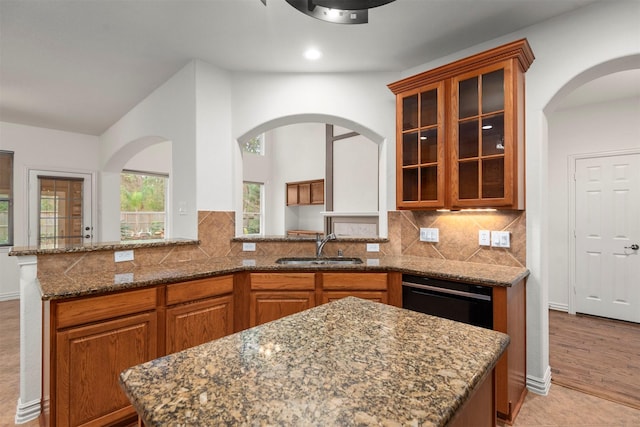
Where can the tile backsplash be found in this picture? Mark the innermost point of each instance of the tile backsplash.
(458, 235)
(458, 241)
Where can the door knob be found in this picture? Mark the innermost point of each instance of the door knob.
(635, 247)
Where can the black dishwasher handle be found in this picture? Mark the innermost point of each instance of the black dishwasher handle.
(446, 291)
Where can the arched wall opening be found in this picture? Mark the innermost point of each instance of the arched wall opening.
(109, 205)
(315, 118)
(603, 123)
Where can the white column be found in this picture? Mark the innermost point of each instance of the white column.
(29, 401)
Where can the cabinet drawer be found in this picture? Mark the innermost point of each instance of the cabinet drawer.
(198, 289)
(92, 309)
(354, 281)
(283, 281)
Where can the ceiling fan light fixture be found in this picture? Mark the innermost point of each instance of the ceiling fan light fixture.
(338, 11)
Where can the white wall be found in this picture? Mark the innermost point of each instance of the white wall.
(43, 149)
(355, 175)
(167, 114)
(214, 165)
(297, 153)
(594, 128)
(155, 158)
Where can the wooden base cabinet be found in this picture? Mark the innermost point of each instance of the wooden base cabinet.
(275, 295)
(92, 346)
(198, 311)
(509, 316)
(93, 339)
(370, 286)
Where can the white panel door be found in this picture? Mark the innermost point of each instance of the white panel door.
(607, 231)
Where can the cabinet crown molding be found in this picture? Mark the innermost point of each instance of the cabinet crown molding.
(518, 50)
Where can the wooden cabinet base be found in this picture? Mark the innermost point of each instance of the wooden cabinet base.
(480, 409)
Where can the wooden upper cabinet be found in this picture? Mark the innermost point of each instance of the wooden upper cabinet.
(460, 132)
(420, 149)
(305, 193)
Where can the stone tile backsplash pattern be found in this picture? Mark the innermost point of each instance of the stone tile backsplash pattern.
(458, 236)
(458, 242)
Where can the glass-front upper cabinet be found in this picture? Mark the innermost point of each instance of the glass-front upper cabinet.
(420, 148)
(480, 138)
(460, 132)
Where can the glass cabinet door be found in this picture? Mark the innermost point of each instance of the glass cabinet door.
(479, 149)
(420, 148)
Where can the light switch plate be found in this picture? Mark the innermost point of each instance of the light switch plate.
(500, 239)
(373, 247)
(484, 238)
(120, 256)
(249, 247)
(429, 235)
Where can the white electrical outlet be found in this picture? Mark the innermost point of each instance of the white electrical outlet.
(373, 247)
(484, 238)
(249, 247)
(500, 239)
(120, 256)
(429, 235)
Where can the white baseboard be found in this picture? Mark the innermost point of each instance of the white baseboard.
(559, 307)
(8, 296)
(540, 385)
(27, 411)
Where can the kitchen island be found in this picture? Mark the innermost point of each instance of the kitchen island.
(349, 362)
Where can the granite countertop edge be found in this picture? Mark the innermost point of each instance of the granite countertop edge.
(70, 285)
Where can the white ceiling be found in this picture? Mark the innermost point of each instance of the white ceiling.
(81, 65)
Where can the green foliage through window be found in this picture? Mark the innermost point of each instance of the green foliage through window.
(251, 208)
(142, 205)
(254, 145)
(6, 198)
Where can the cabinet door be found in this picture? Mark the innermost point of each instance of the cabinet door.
(292, 194)
(193, 324)
(420, 150)
(266, 306)
(376, 296)
(89, 361)
(304, 193)
(317, 192)
(484, 137)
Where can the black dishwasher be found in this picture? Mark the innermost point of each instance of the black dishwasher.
(462, 302)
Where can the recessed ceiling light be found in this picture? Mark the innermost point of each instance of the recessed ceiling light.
(312, 54)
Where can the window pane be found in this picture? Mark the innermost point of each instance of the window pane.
(142, 205)
(468, 186)
(6, 198)
(255, 145)
(252, 207)
(493, 92)
(4, 222)
(468, 95)
(429, 108)
(410, 112)
(468, 139)
(56, 225)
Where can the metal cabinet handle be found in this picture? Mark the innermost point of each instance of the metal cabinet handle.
(635, 247)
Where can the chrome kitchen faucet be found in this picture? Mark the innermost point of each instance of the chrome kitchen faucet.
(321, 242)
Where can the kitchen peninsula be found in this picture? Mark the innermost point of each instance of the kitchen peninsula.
(171, 298)
(349, 362)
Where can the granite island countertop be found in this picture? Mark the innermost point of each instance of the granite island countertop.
(69, 285)
(349, 362)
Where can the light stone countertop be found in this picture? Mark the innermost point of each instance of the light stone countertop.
(349, 362)
(70, 285)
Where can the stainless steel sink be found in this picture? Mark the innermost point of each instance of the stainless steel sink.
(319, 261)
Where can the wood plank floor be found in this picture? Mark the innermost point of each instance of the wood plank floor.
(563, 407)
(595, 355)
